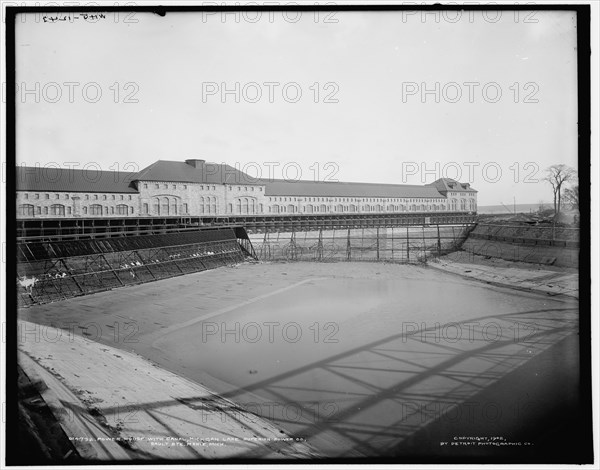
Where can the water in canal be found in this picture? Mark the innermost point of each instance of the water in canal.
(356, 366)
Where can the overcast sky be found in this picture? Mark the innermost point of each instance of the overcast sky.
(161, 81)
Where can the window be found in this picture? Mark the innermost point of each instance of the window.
(37, 196)
(174, 206)
(57, 196)
(130, 197)
(85, 211)
(104, 197)
(166, 186)
(112, 210)
(156, 207)
(26, 210)
(95, 209)
(145, 185)
(174, 186)
(156, 186)
(38, 210)
(164, 206)
(185, 186)
(45, 210)
(185, 207)
(57, 209)
(122, 209)
(122, 197)
(96, 196)
(69, 210)
(66, 196)
(47, 196)
(114, 197)
(214, 188)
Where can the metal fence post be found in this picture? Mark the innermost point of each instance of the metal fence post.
(348, 248)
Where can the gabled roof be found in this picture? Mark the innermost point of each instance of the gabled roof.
(36, 178)
(182, 172)
(337, 189)
(448, 184)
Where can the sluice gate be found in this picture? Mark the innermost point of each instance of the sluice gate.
(56, 270)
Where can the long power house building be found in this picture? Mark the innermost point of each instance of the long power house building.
(195, 187)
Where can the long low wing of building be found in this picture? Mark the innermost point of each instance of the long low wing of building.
(197, 188)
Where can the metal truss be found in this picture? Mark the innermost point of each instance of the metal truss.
(400, 244)
(62, 278)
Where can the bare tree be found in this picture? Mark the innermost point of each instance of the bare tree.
(572, 196)
(557, 176)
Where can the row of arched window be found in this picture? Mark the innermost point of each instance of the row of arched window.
(463, 205)
(323, 208)
(245, 205)
(162, 206)
(165, 205)
(29, 210)
(97, 209)
(208, 205)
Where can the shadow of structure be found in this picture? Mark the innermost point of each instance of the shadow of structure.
(410, 394)
(506, 392)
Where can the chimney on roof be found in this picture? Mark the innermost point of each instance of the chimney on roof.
(196, 163)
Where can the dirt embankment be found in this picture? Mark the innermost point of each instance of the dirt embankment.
(537, 244)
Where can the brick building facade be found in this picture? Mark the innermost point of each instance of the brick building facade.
(198, 188)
